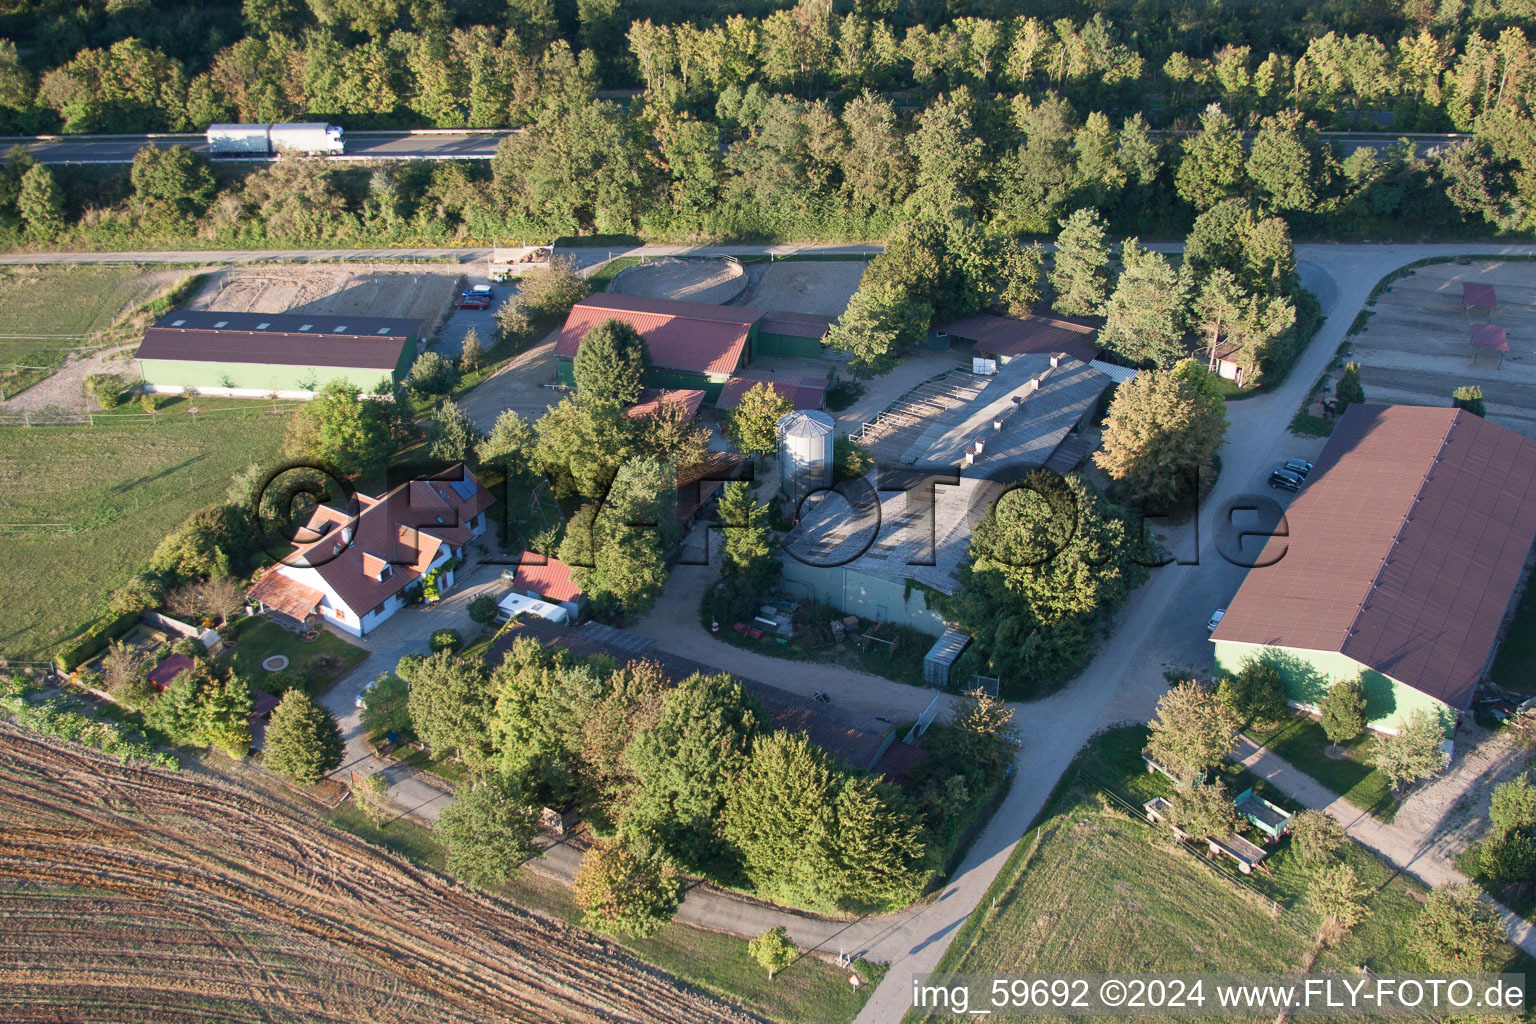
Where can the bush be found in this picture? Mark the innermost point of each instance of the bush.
(444, 640)
(483, 609)
(432, 374)
(850, 459)
(1509, 858)
(106, 388)
(93, 641)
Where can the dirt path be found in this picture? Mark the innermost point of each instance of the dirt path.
(65, 390)
(206, 848)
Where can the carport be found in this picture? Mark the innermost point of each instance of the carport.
(1478, 296)
(1491, 338)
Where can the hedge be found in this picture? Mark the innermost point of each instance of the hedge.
(93, 641)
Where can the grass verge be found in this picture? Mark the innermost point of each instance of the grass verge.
(1301, 742)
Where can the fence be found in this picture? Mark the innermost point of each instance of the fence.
(50, 418)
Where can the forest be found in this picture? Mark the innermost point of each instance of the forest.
(679, 120)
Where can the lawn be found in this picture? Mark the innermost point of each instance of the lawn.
(810, 990)
(47, 311)
(1515, 667)
(1301, 741)
(1088, 890)
(115, 489)
(315, 665)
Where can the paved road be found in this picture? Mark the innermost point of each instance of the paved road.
(120, 149)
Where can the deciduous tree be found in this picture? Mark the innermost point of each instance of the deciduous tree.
(1337, 895)
(753, 426)
(450, 706)
(1457, 932)
(1162, 435)
(1343, 711)
(624, 889)
(1513, 807)
(1144, 318)
(773, 950)
(1415, 752)
(340, 428)
(1193, 730)
(490, 828)
(1316, 837)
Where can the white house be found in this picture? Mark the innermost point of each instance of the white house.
(354, 567)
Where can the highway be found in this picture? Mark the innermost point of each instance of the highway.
(478, 144)
(361, 146)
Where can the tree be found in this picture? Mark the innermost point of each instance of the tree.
(753, 426)
(1470, 398)
(773, 950)
(683, 765)
(1203, 810)
(1513, 807)
(455, 438)
(171, 186)
(1212, 166)
(513, 320)
(747, 535)
(1415, 752)
(580, 447)
(1194, 729)
(41, 203)
(984, 731)
(483, 610)
(618, 551)
(223, 714)
(450, 705)
(1509, 858)
(625, 890)
(1144, 318)
(1316, 837)
(387, 707)
(490, 828)
(1162, 436)
(610, 364)
(552, 290)
(295, 197)
(1080, 271)
(881, 319)
(303, 741)
(1338, 896)
(1343, 711)
(340, 428)
(432, 374)
(1022, 267)
(1288, 166)
(1457, 932)
(125, 672)
(1257, 692)
(471, 351)
(1348, 391)
(780, 821)
(510, 444)
(633, 704)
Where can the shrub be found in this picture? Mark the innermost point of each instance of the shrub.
(1470, 398)
(93, 641)
(1316, 837)
(432, 374)
(406, 667)
(445, 640)
(483, 609)
(1508, 858)
(1514, 806)
(106, 389)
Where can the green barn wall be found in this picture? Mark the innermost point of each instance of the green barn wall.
(255, 376)
(866, 594)
(786, 345)
(1308, 674)
(710, 384)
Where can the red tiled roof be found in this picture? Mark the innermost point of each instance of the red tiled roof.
(692, 336)
(285, 595)
(405, 528)
(804, 392)
(1010, 336)
(1404, 548)
(651, 401)
(550, 578)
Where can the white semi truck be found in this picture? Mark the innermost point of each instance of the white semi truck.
(307, 138)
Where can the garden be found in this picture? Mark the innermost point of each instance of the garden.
(308, 665)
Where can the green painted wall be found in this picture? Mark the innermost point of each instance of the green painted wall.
(867, 594)
(786, 345)
(1308, 674)
(710, 384)
(256, 376)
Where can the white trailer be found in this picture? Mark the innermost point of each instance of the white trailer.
(270, 139)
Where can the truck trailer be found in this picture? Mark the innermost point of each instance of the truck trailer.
(270, 139)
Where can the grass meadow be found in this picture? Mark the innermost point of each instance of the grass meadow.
(109, 493)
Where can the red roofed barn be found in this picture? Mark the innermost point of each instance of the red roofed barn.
(693, 345)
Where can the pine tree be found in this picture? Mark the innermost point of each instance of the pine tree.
(41, 202)
(609, 365)
(224, 709)
(748, 537)
(1021, 273)
(1080, 271)
(1212, 166)
(1162, 435)
(878, 847)
(302, 740)
(1144, 319)
(472, 352)
(780, 819)
(1348, 390)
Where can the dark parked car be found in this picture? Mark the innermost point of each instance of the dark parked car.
(1301, 467)
(1285, 480)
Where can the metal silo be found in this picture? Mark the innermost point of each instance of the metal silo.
(805, 453)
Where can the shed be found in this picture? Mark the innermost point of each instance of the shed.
(941, 656)
(792, 334)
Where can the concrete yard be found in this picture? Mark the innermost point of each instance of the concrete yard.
(1416, 346)
(716, 281)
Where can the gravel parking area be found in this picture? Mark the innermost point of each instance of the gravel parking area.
(1416, 347)
(716, 281)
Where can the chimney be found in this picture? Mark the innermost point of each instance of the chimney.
(969, 460)
(1033, 386)
(980, 445)
(1056, 359)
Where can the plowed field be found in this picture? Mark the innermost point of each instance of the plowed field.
(134, 894)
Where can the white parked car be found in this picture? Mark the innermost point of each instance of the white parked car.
(1210, 627)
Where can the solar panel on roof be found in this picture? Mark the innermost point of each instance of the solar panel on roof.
(463, 488)
(340, 329)
(306, 327)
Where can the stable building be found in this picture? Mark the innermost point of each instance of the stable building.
(797, 335)
(252, 355)
(693, 345)
(1402, 555)
(1006, 338)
